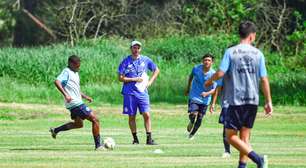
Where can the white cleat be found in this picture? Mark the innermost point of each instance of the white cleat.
(100, 148)
(265, 164)
(226, 155)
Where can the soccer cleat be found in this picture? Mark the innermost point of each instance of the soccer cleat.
(53, 134)
(191, 137)
(100, 148)
(135, 142)
(264, 163)
(189, 127)
(151, 142)
(226, 155)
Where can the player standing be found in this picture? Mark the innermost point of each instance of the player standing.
(132, 72)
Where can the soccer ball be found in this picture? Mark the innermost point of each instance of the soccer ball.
(109, 143)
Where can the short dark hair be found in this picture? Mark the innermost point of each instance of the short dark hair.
(74, 59)
(208, 55)
(246, 28)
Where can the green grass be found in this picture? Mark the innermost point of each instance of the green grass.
(26, 142)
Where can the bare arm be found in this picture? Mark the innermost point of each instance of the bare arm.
(125, 79)
(214, 99)
(219, 74)
(61, 89)
(266, 91)
(88, 98)
(154, 76)
(188, 85)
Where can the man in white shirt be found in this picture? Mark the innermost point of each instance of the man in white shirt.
(68, 83)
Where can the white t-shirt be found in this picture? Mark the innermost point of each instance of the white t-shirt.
(71, 83)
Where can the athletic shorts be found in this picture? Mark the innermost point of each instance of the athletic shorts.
(223, 115)
(196, 107)
(81, 111)
(131, 103)
(240, 116)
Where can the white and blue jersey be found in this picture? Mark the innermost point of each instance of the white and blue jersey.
(197, 86)
(135, 68)
(243, 65)
(70, 81)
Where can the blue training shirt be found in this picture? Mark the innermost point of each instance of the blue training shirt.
(198, 87)
(243, 66)
(135, 68)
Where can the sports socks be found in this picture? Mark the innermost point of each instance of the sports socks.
(197, 124)
(97, 141)
(149, 137)
(255, 158)
(192, 117)
(135, 137)
(242, 165)
(225, 142)
(64, 127)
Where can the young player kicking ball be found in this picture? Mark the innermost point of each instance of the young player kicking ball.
(199, 96)
(68, 83)
(244, 65)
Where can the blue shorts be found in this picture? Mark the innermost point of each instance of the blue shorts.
(131, 103)
(81, 111)
(223, 115)
(196, 107)
(240, 116)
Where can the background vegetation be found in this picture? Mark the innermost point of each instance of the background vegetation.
(175, 34)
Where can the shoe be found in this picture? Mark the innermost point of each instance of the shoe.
(264, 162)
(191, 137)
(226, 155)
(100, 148)
(53, 134)
(135, 142)
(151, 142)
(189, 127)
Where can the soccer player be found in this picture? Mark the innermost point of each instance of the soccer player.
(199, 96)
(132, 72)
(244, 68)
(224, 108)
(68, 83)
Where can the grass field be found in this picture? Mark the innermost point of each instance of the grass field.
(26, 142)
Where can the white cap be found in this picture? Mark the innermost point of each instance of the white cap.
(135, 43)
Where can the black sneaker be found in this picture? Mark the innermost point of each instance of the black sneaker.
(53, 134)
(151, 142)
(135, 142)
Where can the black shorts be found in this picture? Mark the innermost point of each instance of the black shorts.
(192, 107)
(81, 111)
(223, 115)
(240, 116)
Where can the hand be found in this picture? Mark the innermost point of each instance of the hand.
(204, 94)
(268, 109)
(212, 108)
(186, 93)
(68, 98)
(208, 83)
(89, 99)
(138, 79)
(149, 84)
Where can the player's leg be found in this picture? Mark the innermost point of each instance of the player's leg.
(144, 109)
(130, 108)
(244, 136)
(227, 150)
(95, 129)
(133, 128)
(200, 115)
(77, 123)
(192, 115)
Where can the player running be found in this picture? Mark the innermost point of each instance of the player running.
(199, 96)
